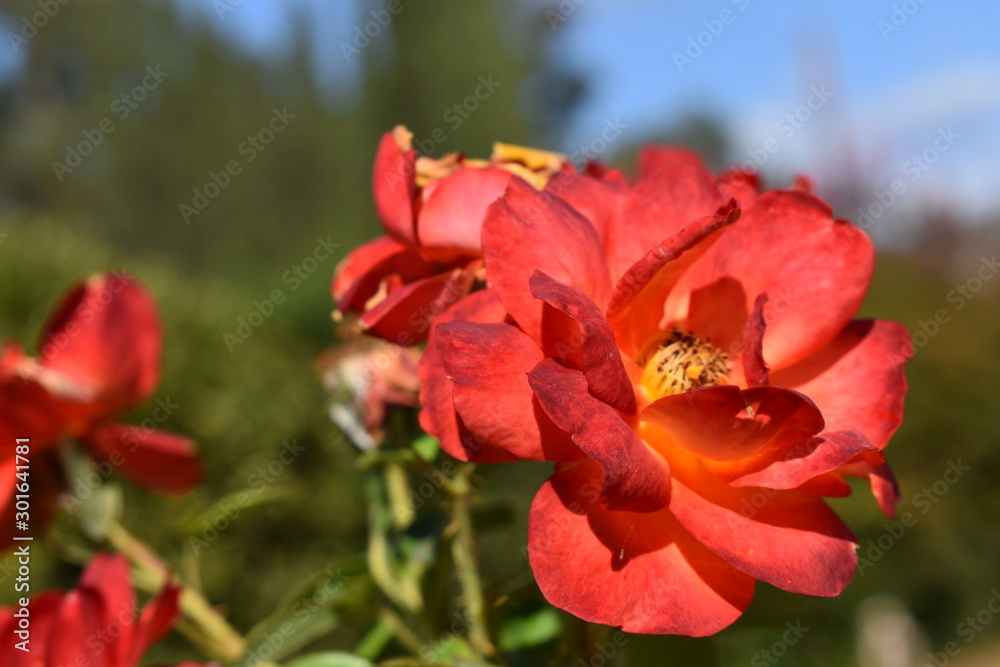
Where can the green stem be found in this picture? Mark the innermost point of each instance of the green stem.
(398, 628)
(374, 642)
(226, 644)
(463, 553)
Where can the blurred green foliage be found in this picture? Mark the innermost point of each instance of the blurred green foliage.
(120, 209)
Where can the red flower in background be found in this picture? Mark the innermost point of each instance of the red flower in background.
(432, 211)
(95, 624)
(99, 356)
(693, 368)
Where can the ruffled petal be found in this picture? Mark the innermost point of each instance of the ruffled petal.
(635, 477)
(790, 540)
(643, 572)
(638, 302)
(725, 423)
(755, 369)
(814, 269)
(674, 190)
(488, 365)
(795, 466)
(359, 276)
(405, 315)
(527, 230)
(857, 379)
(593, 338)
(880, 477)
(437, 415)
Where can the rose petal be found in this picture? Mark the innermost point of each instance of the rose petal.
(109, 577)
(394, 184)
(635, 477)
(405, 315)
(814, 269)
(725, 423)
(44, 609)
(452, 214)
(792, 467)
(638, 302)
(155, 460)
(602, 362)
(488, 366)
(527, 231)
(77, 620)
(437, 415)
(599, 201)
(358, 276)
(790, 540)
(105, 335)
(156, 619)
(857, 380)
(642, 572)
(674, 190)
(755, 369)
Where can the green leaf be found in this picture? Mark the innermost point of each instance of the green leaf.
(232, 505)
(330, 659)
(427, 446)
(531, 629)
(311, 611)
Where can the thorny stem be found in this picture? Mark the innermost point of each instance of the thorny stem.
(463, 553)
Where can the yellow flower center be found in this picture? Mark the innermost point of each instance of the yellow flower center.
(678, 362)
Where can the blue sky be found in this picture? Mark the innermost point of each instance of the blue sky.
(900, 72)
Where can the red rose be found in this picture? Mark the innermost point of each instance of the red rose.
(99, 356)
(432, 211)
(684, 349)
(95, 624)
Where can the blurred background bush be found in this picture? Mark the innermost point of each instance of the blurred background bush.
(211, 75)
